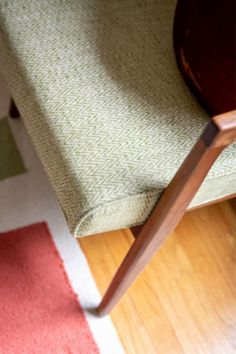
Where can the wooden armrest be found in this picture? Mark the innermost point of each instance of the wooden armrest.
(225, 127)
(226, 121)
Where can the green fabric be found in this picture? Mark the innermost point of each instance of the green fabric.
(107, 110)
(11, 163)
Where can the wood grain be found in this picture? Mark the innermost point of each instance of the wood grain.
(185, 300)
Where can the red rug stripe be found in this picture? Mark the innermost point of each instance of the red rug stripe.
(39, 312)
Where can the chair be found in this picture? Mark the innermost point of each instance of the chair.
(112, 120)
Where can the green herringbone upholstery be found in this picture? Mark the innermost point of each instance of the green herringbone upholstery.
(99, 91)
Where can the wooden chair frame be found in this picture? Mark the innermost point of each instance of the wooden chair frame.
(218, 134)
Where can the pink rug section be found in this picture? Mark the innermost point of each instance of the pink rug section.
(39, 312)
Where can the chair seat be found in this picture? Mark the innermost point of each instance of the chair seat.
(107, 110)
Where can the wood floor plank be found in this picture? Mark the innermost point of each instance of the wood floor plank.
(185, 300)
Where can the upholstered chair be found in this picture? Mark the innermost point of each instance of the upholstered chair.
(122, 138)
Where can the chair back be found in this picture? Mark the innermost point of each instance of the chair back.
(205, 47)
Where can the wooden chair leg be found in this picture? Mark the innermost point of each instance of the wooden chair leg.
(171, 206)
(13, 111)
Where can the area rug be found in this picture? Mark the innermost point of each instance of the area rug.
(39, 311)
(47, 292)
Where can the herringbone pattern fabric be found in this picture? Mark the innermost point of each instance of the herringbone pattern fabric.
(106, 108)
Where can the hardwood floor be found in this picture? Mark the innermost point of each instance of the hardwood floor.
(185, 300)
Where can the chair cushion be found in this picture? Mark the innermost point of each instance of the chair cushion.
(100, 93)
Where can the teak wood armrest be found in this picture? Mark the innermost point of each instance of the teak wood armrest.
(220, 132)
(226, 124)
